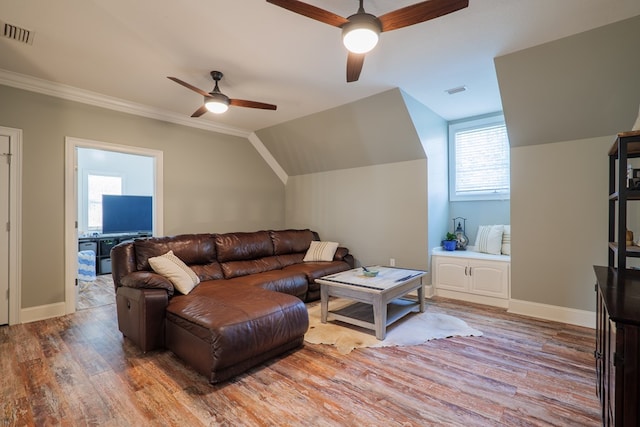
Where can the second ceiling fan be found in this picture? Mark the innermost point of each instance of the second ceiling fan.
(360, 31)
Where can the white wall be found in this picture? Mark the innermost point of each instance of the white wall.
(378, 212)
(559, 205)
(212, 182)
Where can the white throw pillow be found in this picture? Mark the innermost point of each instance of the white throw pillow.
(320, 251)
(173, 268)
(506, 240)
(489, 239)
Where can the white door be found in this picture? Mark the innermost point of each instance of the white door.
(4, 230)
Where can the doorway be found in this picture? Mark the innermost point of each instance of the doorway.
(107, 164)
(10, 207)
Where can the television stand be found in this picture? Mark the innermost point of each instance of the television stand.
(101, 244)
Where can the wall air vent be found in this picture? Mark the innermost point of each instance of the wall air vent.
(16, 33)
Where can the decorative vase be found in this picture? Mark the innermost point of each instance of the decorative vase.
(449, 245)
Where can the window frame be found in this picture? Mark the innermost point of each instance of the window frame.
(467, 125)
(87, 190)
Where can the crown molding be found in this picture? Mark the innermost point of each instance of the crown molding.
(70, 93)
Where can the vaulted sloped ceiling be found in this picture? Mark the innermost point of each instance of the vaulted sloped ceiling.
(581, 86)
(370, 131)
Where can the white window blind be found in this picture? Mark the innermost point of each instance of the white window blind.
(480, 164)
(97, 186)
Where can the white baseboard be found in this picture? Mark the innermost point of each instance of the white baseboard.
(429, 291)
(556, 313)
(478, 299)
(33, 314)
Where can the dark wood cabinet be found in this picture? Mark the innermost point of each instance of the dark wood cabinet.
(618, 296)
(618, 345)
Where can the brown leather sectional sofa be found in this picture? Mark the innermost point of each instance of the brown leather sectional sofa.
(247, 308)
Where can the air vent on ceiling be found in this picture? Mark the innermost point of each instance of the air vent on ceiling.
(16, 33)
(456, 90)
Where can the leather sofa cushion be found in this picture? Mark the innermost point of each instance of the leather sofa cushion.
(238, 324)
(315, 270)
(291, 241)
(243, 246)
(289, 259)
(212, 271)
(288, 282)
(233, 269)
(190, 248)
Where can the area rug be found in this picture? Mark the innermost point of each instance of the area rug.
(414, 329)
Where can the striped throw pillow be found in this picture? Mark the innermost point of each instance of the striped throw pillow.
(489, 239)
(320, 251)
(506, 240)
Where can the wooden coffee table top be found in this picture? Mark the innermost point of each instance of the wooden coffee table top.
(387, 278)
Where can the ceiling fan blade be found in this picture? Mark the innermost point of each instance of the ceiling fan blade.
(420, 12)
(311, 12)
(200, 111)
(251, 104)
(188, 86)
(355, 61)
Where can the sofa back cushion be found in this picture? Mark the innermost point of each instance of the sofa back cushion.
(243, 246)
(190, 248)
(291, 241)
(233, 269)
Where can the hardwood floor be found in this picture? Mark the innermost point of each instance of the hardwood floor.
(97, 293)
(78, 370)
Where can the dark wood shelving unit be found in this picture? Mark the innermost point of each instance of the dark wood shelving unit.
(618, 299)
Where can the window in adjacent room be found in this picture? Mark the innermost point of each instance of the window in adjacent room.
(479, 159)
(97, 185)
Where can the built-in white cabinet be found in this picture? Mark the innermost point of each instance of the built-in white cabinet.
(472, 276)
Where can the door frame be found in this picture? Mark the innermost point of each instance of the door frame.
(15, 221)
(71, 203)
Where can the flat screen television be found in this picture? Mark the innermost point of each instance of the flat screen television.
(127, 214)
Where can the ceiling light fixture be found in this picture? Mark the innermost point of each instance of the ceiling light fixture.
(361, 33)
(216, 102)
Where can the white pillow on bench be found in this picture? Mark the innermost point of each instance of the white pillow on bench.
(489, 239)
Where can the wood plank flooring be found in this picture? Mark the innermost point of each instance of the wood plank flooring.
(96, 293)
(78, 370)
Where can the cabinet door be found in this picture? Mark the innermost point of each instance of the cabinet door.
(611, 405)
(451, 274)
(489, 278)
(601, 351)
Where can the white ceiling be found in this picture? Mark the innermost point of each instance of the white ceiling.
(126, 49)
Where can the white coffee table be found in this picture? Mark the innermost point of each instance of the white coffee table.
(377, 300)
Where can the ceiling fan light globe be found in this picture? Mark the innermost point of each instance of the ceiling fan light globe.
(217, 103)
(361, 33)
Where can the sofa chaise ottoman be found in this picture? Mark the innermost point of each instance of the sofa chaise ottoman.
(248, 306)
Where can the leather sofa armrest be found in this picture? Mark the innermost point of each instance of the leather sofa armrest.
(341, 252)
(141, 316)
(147, 280)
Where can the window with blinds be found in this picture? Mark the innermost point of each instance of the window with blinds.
(479, 159)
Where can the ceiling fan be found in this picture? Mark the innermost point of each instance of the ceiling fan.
(216, 101)
(360, 31)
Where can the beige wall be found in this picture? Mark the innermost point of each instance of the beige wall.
(212, 182)
(559, 221)
(378, 212)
